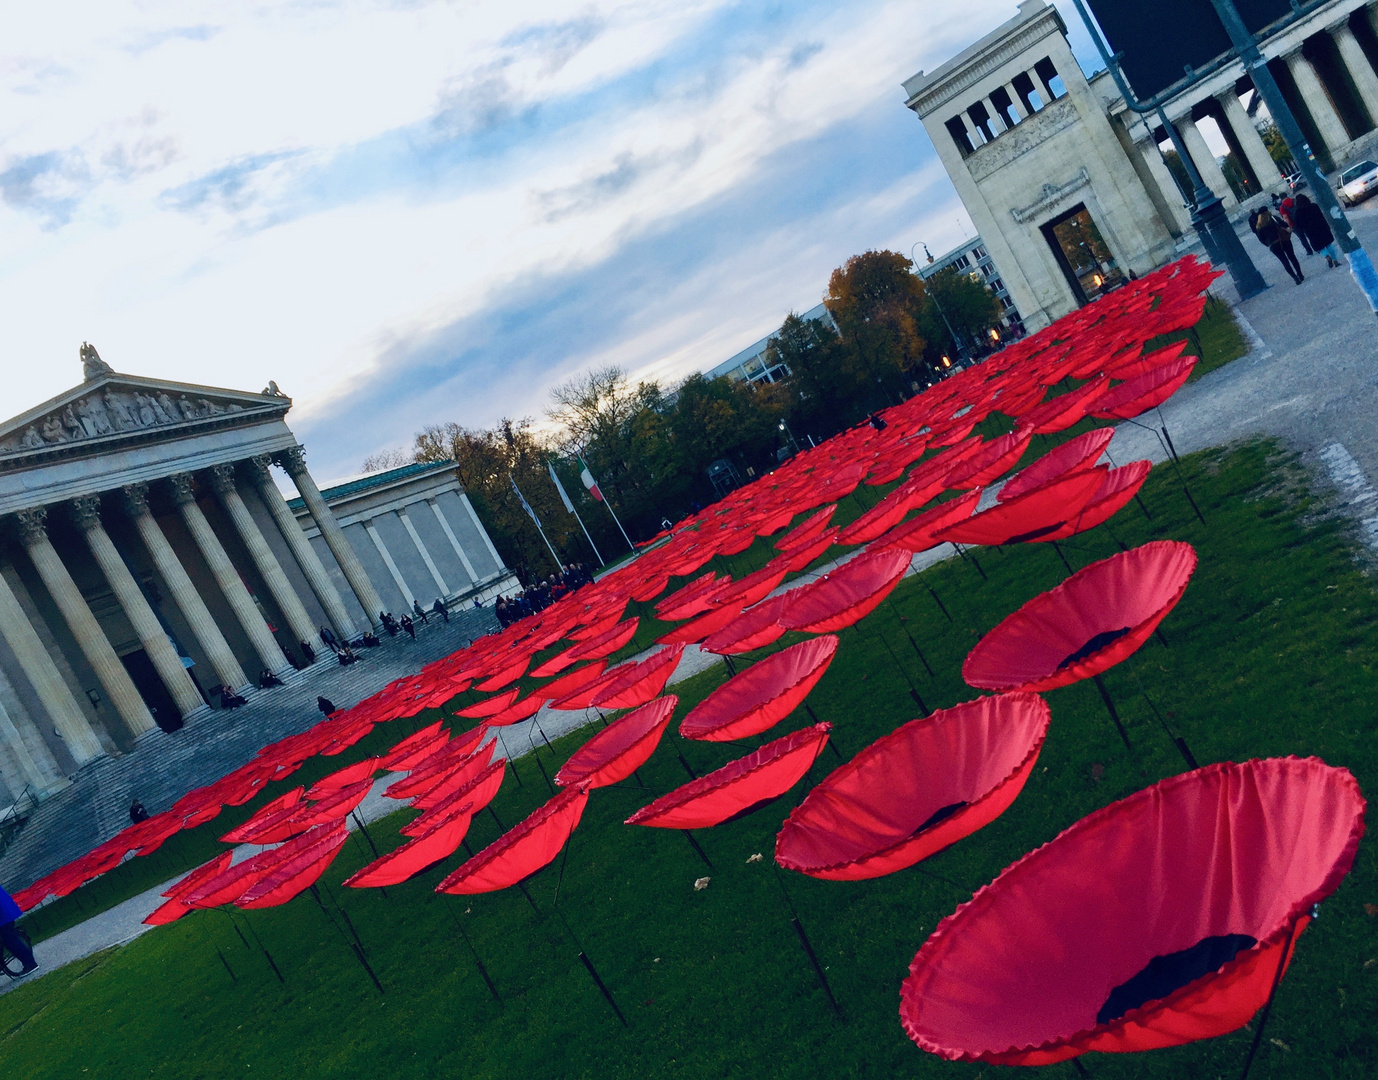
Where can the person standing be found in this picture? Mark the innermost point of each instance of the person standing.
(1315, 230)
(409, 626)
(10, 936)
(1274, 234)
(1287, 210)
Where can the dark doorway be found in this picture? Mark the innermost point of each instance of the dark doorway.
(152, 690)
(1083, 254)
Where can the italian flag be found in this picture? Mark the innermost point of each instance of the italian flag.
(589, 481)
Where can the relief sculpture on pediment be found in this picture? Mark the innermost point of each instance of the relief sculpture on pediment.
(112, 412)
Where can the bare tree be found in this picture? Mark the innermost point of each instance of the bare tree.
(388, 459)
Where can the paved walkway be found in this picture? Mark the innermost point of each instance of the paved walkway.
(1311, 380)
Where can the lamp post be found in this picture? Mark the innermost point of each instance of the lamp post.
(956, 342)
(789, 435)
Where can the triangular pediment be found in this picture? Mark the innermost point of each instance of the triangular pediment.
(113, 409)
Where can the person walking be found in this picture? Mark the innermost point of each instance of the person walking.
(409, 626)
(419, 612)
(325, 705)
(439, 608)
(1287, 210)
(1274, 234)
(1315, 230)
(10, 936)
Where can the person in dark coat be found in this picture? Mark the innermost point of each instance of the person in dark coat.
(137, 813)
(409, 626)
(1274, 234)
(328, 636)
(1314, 229)
(440, 609)
(325, 705)
(9, 933)
(1287, 210)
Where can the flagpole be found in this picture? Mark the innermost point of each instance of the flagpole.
(569, 505)
(527, 507)
(590, 484)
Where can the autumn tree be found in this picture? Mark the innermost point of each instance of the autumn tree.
(959, 304)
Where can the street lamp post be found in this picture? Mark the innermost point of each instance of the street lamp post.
(956, 342)
(789, 435)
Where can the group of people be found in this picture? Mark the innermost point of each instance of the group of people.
(542, 594)
(1300, 217)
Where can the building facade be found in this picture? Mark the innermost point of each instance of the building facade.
(752, 365)
(972, 257)
(148, 559)
(1071, 190)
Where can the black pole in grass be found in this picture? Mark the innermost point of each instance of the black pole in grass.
(805, 942)
(1272, 993)
(1176, 740)
(483, 971)
(971, 559)
(259, 941)
(229, 969)
(832, 744)
(693, 843)
(941, 606)
(1060, 555)
(352, 946)
(1114, 715)
(1165, 441)
(913, 644)
(727, 662)
(913, 691)
(1081, 1069)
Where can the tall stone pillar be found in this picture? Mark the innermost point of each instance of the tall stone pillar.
(1360, 70)
(38, 772)
(1205, 162)
(454, 540)
(294, 461)
(301, 547)
(150, 632)
(389, 562)
(1250, 141)
(298, 621)
(1172, 199)
(227, 577)
(184, 593)
(421, 550)
(91, 639)
(1313, 94)
(53, 693)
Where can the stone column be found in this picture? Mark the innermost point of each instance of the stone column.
(184, 593)
(425, 555)
(1250, 141)
(294, 461)
(91, 639)
(1313, 94)
(301, 547)
(487, 540)
(53, 693)
(227, 577)
(298, 621)
(32, 763)
(1360, 70)
(1205, 161)
(150, 632)
(397, 577)
(1162, 176)
(1019, 109)
(454, 540)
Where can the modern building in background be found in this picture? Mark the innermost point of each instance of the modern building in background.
(147, 557)
(971, 257)
(751, 364)
(1072, 192)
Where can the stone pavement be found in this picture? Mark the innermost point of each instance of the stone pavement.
(164, 767)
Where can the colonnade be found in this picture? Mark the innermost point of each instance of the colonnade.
(24, 756)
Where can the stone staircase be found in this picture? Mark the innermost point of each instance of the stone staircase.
(163, 767)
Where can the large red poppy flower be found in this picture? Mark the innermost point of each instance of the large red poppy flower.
(342, 778)
(1029, 517)
(333, 808)
(921, 788)
(1092, 621)
(1073, 455)
(1134, 365)
(1119, 486)
(762, 695)
(524, 709)
(797, 558)
(639, 683)
(444, 784)
(417, 739)
(232, 882)
(478, 792)
(175, 907)
(754, 627)
(1063, 411)
(1143, 392)
(510, 673)
(575, 680)
(523, 849)
(991, 461)
(890, 511)
(806, 530)
(740, 786)
(697, 629)
(438, 842)
(1158, 920)
(690, 599)
(619, 749)
(917, 535)
(288, 876)
(491, 706)
(269, 813)
(847, 594)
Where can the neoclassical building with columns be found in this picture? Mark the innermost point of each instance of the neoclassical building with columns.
(1070, 190)
(148, 559)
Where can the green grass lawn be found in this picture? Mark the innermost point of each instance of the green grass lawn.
(1271, 652)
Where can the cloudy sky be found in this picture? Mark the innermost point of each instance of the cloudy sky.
(413, 212)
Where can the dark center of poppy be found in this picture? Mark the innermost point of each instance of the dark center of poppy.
(940, 814)
(1095, 644)
(1164, 974)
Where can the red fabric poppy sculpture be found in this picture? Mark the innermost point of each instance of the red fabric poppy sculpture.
(1158, 920)
(1092, 621)
(740, 786)
(923, 787)
(762, 695)
(847, 594)
(523, 849)
(620, 748)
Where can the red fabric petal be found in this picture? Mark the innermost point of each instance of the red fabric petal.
(806, 530)
(619, 749)
(1120, 485)
(688, 597)
(575, 680)
(508, 674)
(331, 809)
(1134, 366)
(605, 644)
(291, 876)
(1063, 411)
(527, 707)
(491, 706)
(403, 749)
(1140, 394)
(1072, 456)
(847, 594)
(175, 908)
(751, 629)
(641, 682)
(700, 628)
(917, 535)
(890, 511)
(273, 811)
(991, 461)
(798, 558)
(1029, 517)
(762, 695)
(523, 849)
(415, 855)
(479, 791)
(1017, 975)
(1134, 590)
(342, 778)
(447, 783)
(739, 786)
(865, 819)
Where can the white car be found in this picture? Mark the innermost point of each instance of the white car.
(1358, 182)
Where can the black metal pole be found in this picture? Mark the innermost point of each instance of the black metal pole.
(1110, 707)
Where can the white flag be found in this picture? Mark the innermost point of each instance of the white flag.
(569, 506)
